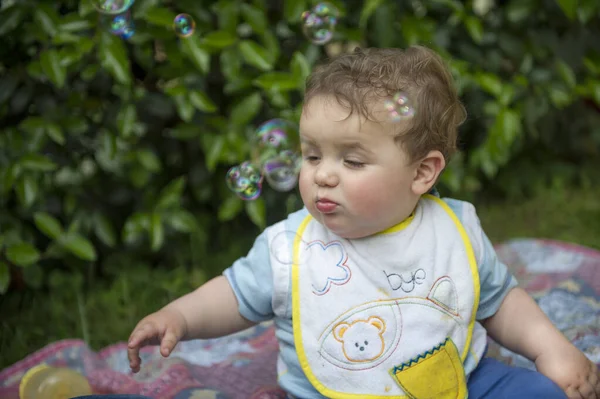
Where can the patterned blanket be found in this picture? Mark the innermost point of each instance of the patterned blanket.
(563, 278)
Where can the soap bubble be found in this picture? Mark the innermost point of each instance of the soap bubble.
(319, 23)
(128, 32)
(184, 25)
(282, 248)
(281, 171)
(245, 180)
(119, 24)
(112, 7)
(272, 137)
(399, 107)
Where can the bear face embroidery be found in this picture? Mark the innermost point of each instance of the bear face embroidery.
(362, 340)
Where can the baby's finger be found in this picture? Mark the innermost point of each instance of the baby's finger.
(573, 393)
(168, 343)
(586, 390)
(140, 334)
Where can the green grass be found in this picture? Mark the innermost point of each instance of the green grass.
(566, 215)
(107, 312)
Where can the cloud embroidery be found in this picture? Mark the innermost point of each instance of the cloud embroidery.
(332, 269)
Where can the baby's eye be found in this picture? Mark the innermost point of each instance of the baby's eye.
(311, 158)
(354, 164)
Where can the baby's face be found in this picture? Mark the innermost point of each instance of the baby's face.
(354, 179)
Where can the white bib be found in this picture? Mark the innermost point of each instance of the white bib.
(387, 316)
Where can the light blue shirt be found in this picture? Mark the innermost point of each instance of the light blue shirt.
(251, 278)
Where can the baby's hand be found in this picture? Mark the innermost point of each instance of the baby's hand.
(572, 371)
(165, 327)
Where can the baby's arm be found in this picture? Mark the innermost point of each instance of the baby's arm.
(209, 311)
(521, 326)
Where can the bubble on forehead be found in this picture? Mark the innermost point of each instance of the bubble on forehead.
(184, 25)
(318, 24)
(283, 244)
(399, 107)
(112, 7)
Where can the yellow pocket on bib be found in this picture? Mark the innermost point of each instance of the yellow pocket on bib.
(436, 374)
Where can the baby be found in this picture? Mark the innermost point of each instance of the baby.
(379, 288)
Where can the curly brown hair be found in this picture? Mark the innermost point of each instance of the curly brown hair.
(366, 76)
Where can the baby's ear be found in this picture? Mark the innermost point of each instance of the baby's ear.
(340, 330)
(427, 172)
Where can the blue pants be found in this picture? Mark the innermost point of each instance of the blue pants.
(494, 379)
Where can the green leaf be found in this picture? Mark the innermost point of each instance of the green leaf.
(214, 153)
(569, 7)
(246, 109)
(160, 16)
(255, 17)
(182, 220)
(490, 83)
(104, 230)
(230, 208)
(47, 224)
(256, 211)
(185, 109)
(201, 101)
(219, 39)
(293, 9)
(368, 9)
(231, 63)
(33, 125)
(4, 278)
(22, 254)
(595, 90)
(74, 23)
(277, 81)
(171, 194)
(79, 246)
(55, 133)
(37, 162)
(157, 232)
(300, 67)
(475, 28)
(559, 96)
(113, 57)
(566, 73)
(27, 190)
(10, 18)
(510, 125)
(50, 61)
(126, 119)
(255, 55)
(192, 49)
(46, 17)
(134, 226)
(149, 160)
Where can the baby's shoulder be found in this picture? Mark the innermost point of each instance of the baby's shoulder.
(462, 209)
(290, 224)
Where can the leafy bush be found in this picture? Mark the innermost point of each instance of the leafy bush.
(113, 152)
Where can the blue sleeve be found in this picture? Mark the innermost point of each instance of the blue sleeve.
(495, 280)
(251, 279)
(494, 277)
